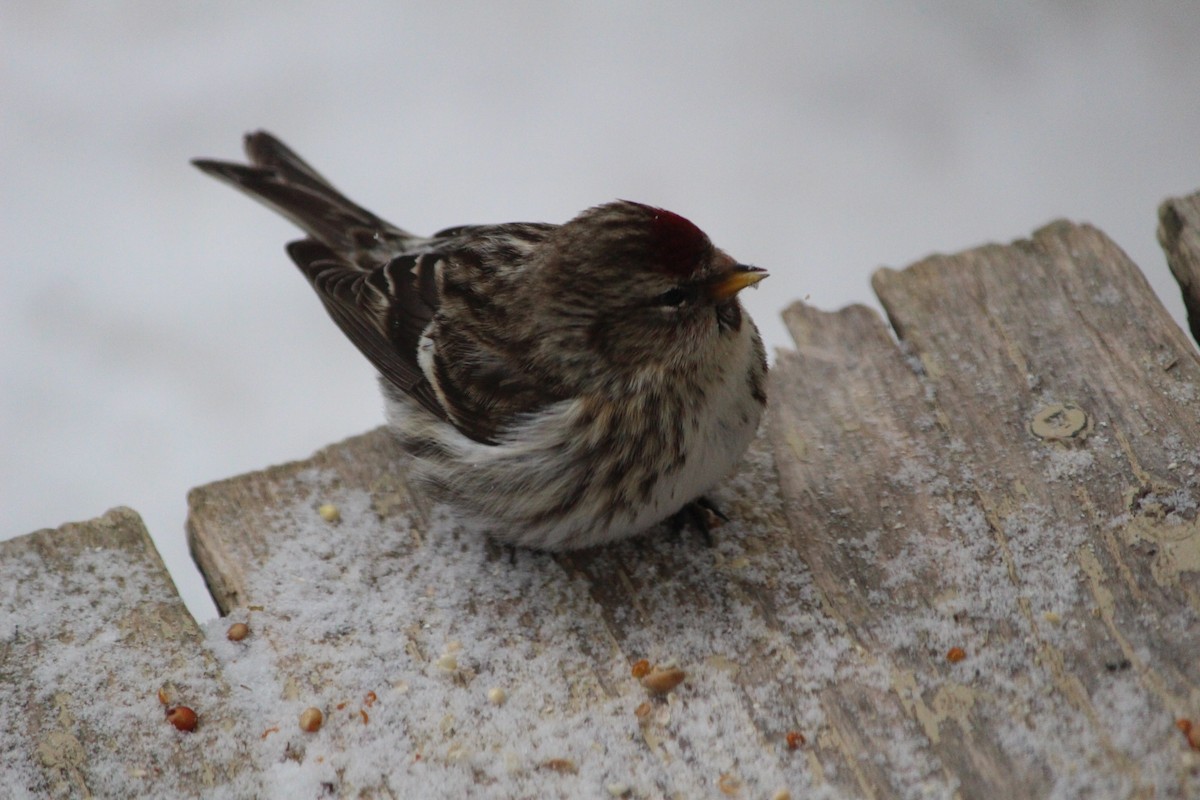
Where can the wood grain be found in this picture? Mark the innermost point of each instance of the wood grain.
(1093, 531)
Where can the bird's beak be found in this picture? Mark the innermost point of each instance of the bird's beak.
(725, 285)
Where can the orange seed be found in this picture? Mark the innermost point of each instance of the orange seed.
(661, 681)
(182, 718)
(311, 719)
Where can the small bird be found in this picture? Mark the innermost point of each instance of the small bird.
(560, 386)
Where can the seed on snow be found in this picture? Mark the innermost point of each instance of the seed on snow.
(661, 681)
(311, 719)
(182, 718)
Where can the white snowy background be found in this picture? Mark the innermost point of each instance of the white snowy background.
(155, 337)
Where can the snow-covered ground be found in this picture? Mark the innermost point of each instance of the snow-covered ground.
(155, 336)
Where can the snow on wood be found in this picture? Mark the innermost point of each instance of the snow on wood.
(961, 562)
(95, 645)
(435, 625)
(1017, 478)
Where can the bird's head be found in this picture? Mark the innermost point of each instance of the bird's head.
(644, 286)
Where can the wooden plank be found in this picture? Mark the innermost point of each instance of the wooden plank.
(856, 443)
(91, 629)
(1179, 235)
(1016, 479)
(228, 520)
(1027, 493)
(429, 618)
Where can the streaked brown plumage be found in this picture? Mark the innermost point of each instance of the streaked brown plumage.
(559, 385)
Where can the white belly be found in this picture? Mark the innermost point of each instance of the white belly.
(713, 448)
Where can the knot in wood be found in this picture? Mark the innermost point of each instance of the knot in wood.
(1059, 422)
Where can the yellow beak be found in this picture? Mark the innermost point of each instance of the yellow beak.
(727, 284)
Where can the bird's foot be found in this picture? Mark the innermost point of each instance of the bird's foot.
(701, 514)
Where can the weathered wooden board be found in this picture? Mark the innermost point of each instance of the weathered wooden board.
(428, 618)
(90, 630)
(1017, 478)
(1010, 474)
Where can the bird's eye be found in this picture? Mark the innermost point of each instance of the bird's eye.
(671, 297)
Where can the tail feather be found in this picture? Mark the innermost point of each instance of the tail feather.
(283, 181)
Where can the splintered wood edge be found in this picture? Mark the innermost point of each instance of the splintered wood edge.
(118, 528)
(1179, 236)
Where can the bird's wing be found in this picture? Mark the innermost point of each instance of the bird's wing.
(382, 287)
(476, 381)
(377, 281)
(480, 359)
(383, 311)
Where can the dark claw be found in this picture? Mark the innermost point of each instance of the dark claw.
(711, 507)
(696, 514)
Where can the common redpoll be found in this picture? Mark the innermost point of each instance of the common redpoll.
(560, 386)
